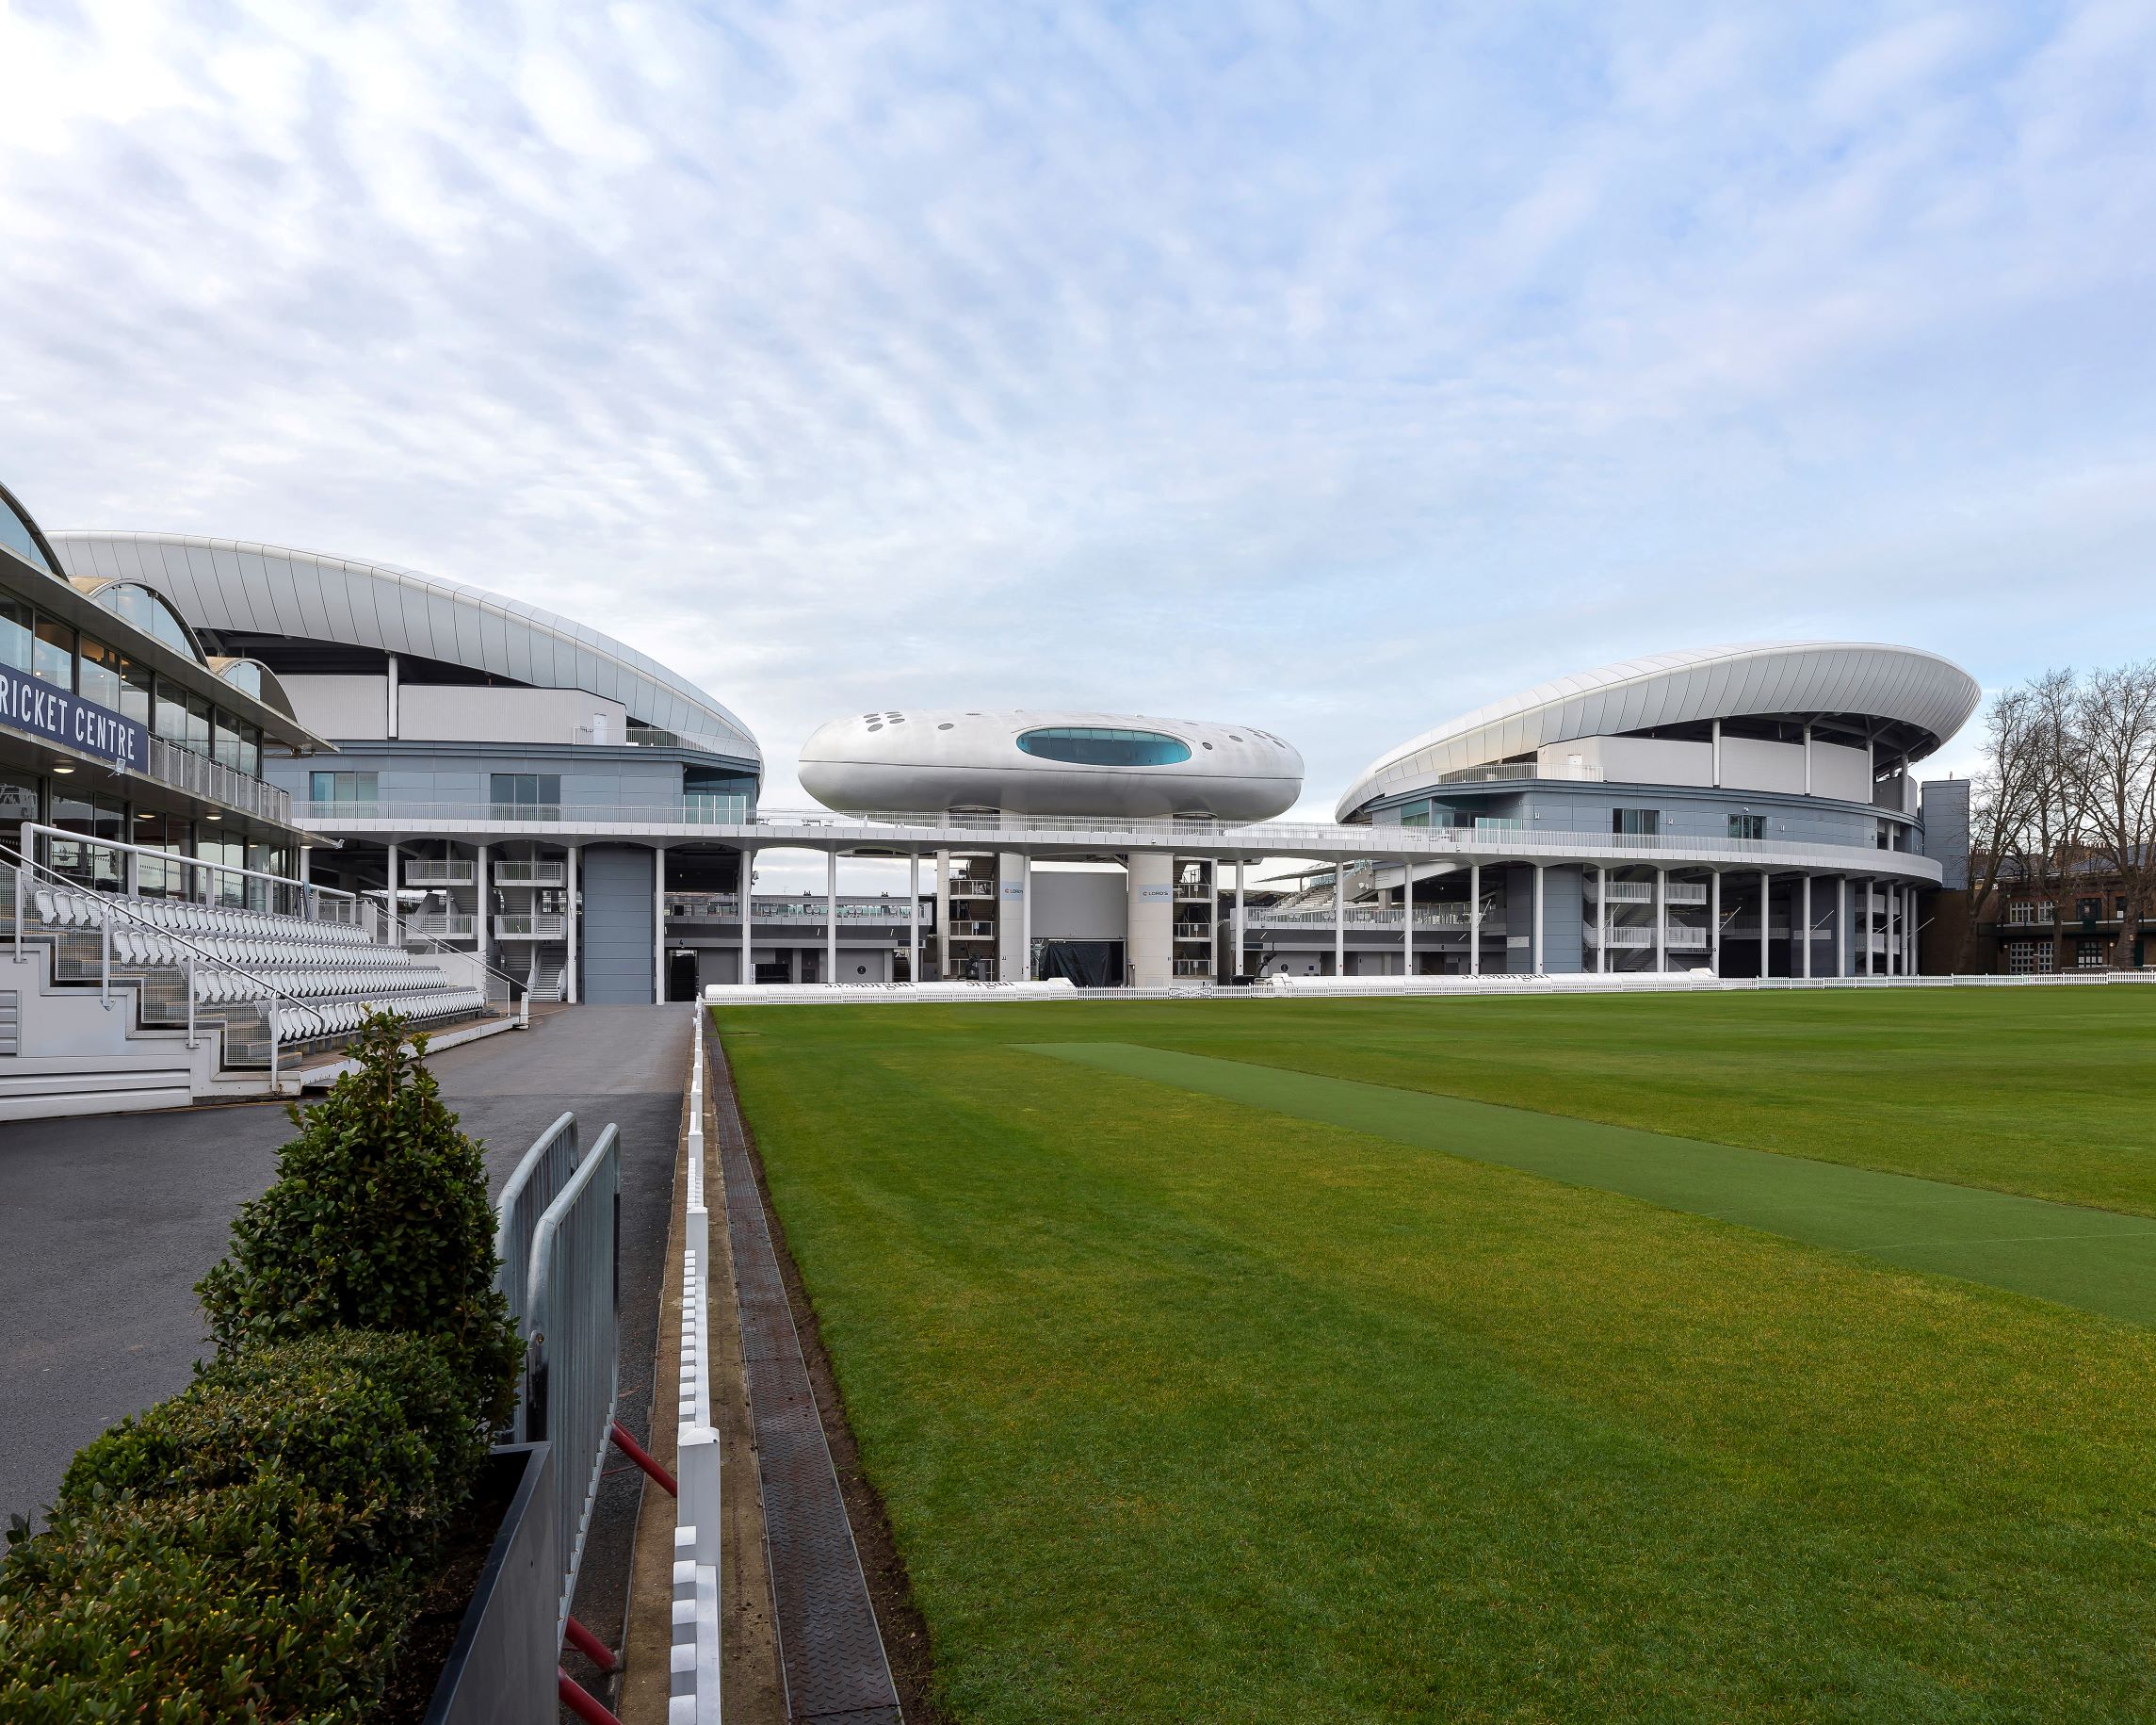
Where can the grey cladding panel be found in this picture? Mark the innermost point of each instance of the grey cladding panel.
(616, 950)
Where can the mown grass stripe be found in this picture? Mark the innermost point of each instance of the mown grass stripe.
(2097, 1259)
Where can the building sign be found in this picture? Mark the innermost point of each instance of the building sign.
(1156, 895)
(1014, 889)
(39, 708)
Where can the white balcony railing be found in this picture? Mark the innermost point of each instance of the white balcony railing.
(443, 925)
(534, 925)
(435, 872)
(200, 776)
(517, 871)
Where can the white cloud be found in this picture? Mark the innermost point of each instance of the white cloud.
(1336, 372)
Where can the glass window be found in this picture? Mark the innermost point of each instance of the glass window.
(1748, 826)
(53, 655)
(345, 790)
(100, 674)
(15, 535)
(16, 624)
(155, 879)
(224, 732)
(530, 796)
(250, 750)
(1643, 822)
(148, 613)
(172, 712)
(95, 817)
(134, 684)
(1088, 745)
(198, 722)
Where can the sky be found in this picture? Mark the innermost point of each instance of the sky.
(1328, 369)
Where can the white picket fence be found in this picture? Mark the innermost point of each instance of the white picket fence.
(694, 1694)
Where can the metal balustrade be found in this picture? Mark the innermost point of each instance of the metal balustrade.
(538, 1180)
(214, 782)
(571, 1377)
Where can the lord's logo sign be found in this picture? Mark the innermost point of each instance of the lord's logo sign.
(27, 704)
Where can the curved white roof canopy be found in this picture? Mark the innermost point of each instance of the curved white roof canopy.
(925, 763)
(224, 584)
(1901, 685)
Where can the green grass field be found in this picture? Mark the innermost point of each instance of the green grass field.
(1221, 1360)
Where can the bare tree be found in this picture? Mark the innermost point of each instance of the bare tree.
(2116, 723)
(2002, 804)
(2053, 840)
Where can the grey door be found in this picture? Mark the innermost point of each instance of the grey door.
(617, 945)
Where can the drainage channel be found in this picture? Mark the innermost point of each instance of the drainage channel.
(830, 1650)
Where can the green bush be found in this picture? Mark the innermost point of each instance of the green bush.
(379, 1220)
(376, 1424)
(217, 1605)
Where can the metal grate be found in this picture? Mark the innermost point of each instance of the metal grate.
(830, 1648)
(10, 1021)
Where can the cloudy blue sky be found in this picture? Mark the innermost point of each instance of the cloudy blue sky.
(1333, 368)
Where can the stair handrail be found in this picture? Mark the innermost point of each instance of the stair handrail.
(401, 934)
(104, 955)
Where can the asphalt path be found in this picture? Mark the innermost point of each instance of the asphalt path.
(106, 1225)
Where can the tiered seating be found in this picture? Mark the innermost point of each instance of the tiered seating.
(317, 979)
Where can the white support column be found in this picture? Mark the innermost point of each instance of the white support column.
(572, 917)
(1714, 922)
(395, 930)
(1602, 918)
(1842, 925)
(914, 917)
(748, 890)
(390, 713)
(1660, 919)
(1407, 916)
(1717, 739)
(831, 920)
(658, 925)
(1339, 917)
(1913, 964)
(1807, 776)
(482, 900)
(1241, 923)
(1806, 892)
(942, 913)
(1541, 958)
(1474, 918)
(1026, 917)
(1864, 930)
(1766, 923)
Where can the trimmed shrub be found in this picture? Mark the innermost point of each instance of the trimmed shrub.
(378, 1424)
(214, 1606)
(379, 1220)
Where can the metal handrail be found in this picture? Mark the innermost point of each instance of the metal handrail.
(307, 890)
(537, 1181)
(573, 1358)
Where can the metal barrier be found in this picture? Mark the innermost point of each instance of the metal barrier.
(693, 1691)
(537, 1182)
(572, 1357)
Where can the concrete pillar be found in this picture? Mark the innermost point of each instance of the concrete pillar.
(1913, 961)
(914, 917)
(942, 913)
(1474, 918)
(1241, 921)
(1149, 944)
(1660, 919)
(1026, 918)
(1407, 916)
(831, 919)
(1011, 916)
(1714, 922)
(658, 925)
(573, 917)
(1602, 918)
(1766, 923)
(1805, 877)
(1340, 916)
(395, 930)
(1541, 966)
(482, 900)
(1807, 786)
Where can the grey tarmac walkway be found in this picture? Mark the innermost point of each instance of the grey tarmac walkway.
(106, 1226)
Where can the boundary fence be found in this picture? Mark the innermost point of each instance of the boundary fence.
(693, 1692)
(1357, 987)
